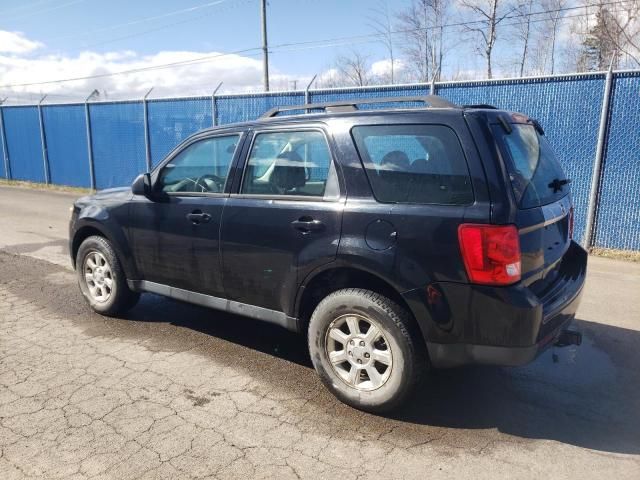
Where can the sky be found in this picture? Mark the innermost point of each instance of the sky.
(42, 40)
(52, 39)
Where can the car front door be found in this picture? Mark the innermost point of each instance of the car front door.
(175, 233)
(285, 219)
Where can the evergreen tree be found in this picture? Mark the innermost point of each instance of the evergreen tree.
(599, 46)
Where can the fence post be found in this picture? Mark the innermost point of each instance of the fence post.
(307, 92)
(214, 110)
(589, 233)
(87, 121)
(43, 143)
(147, 143)
(5, 150)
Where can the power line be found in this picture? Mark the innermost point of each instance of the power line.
(25, 7)
(444, 26)
(45, 10)
(304, 45)
(141, 20)
(193, 61)
(161, 27)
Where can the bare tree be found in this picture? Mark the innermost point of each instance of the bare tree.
(523, 10)
(622, 29)
(330, 78)
(353, 68)
(380, 22)
(554, 13)
(602, 37)
(487, 16)
(422, 24)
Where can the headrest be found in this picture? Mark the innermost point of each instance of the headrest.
(395, 161)
(288, 172)
(420, 165)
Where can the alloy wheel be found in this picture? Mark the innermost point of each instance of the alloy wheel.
(359, 351)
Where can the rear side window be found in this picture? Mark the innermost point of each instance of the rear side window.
(535, 173)
(414, 164)
(294, 163)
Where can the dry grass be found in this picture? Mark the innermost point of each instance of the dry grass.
(42, 186)
(628, 255)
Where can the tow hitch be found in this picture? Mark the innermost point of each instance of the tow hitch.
(568, 337)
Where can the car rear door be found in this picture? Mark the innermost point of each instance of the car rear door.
(284, 219)
(541, 194)
(553, 266)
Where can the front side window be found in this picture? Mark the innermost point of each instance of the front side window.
(421, 164)
(202, 167)
(288, 163)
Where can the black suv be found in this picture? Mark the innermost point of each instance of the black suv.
(425, 234)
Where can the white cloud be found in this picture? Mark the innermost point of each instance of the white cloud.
(383, 67)
(16, 42)
(239, 73)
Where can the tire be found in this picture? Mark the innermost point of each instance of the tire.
(333, 334)
(102, 279)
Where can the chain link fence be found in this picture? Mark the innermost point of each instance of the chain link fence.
(106, 144)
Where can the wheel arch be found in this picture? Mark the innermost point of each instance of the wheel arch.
(336, 278)
(90, 229)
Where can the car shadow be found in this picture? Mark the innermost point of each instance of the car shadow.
(587, 396)
(254, 334)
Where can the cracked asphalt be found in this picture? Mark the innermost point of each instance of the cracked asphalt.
(176, 391)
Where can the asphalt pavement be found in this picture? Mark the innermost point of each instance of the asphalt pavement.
(177, 391)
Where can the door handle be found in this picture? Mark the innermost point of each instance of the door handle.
(307, 225)
(197, 217)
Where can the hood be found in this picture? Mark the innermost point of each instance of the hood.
(107, 196)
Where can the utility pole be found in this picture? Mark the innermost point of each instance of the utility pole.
(265, 50)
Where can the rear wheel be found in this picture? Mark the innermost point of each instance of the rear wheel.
(365, 350)
(101, 278)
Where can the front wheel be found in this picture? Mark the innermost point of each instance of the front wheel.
(365, 349)
(101, 278)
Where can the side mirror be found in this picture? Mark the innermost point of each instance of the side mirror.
(142, 185)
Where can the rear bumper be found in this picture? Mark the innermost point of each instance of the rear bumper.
(470, 324)
(444, 355)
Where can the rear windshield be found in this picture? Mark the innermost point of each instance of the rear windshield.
(414, 164)
(536, 175)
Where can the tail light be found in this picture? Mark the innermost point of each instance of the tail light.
(491, 253)
(570, 223)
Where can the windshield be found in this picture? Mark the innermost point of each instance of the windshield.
(536, 175)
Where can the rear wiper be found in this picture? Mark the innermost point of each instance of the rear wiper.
(557, 184)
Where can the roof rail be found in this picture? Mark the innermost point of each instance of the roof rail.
(480, 105)
(352, 105)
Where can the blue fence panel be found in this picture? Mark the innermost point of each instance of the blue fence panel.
(3, 171)
(334, 95)
(568, 108)
(171, 121)
(245, 108)
(22, 127)
(117, 131)
(66, 136)
(618, 214)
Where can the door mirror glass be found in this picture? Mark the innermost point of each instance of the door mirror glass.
(201, 167)
(142, 185)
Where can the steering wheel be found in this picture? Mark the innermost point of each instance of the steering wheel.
(200, 182)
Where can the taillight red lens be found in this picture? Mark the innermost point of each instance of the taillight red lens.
(571, 223)
(491, 253)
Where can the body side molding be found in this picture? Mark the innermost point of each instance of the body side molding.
(217, 303)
